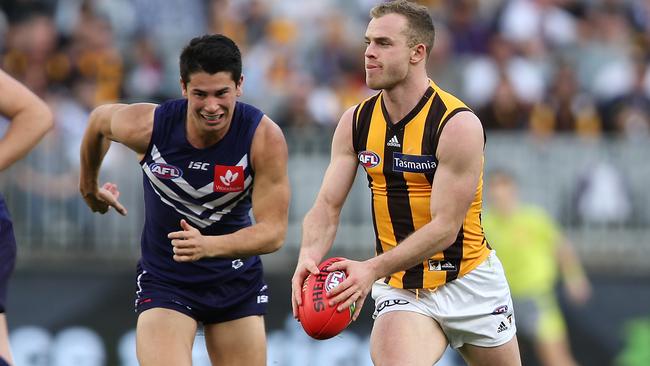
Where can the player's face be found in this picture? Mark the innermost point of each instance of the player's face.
(211, 101)
(502, 194)
(387, 53)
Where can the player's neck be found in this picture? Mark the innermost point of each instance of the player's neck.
(203, 139)
(401, 99)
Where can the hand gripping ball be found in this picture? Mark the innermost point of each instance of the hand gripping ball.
(318, 318)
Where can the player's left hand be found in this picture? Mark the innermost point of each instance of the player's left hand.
(356, 286)
(100, 199)
(189, 244)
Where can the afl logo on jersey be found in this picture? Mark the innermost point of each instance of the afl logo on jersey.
(165, 171)
(368, 159)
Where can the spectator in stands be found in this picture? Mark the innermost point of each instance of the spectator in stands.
(505, 111)
(469, 32)
(565, 109)
(31, 54)
(602, 196)
(629, 114)
(532, 248)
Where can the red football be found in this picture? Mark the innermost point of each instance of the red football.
(318, 319)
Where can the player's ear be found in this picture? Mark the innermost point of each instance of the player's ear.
(418, 53)
(183, 87)
(240, 84)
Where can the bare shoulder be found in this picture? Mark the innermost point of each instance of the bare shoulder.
(269, 143)
(269, 131)
(463, 134)
(130, 124)
(119, 112)
(343, 134)
(137, 113)
(463, 124)
(346, 119)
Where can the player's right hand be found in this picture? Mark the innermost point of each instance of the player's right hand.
(104, 198)
(304, 267)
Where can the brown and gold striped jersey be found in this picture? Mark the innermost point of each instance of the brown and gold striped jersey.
(400, 162)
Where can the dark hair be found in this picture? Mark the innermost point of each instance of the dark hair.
(420, 26)
(211, 53)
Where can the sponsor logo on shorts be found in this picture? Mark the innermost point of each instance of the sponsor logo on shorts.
(139, 302)
(388, 303)
(181, 304)
(510, 318)
(165, 171)
(441, 266)
(237, 263)
(502, 327)
(368, 159)
(500, 310)
(262, 299)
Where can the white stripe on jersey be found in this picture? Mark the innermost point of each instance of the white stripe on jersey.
(160, 186)
(205, 190)
(195, 220)
(229, 196)
(217, 215)
(195, 209)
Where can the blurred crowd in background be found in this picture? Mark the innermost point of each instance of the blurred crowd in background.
(536, 67)
(544, 66)
(573, 74)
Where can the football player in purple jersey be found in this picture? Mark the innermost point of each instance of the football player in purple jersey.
(207, 160)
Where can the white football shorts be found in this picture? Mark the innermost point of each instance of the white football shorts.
(475, 309)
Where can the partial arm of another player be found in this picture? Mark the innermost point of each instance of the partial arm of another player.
(575, 281)
(320, 223)
(129, 124)
(30, 120)
(270, 207)
(460, 157)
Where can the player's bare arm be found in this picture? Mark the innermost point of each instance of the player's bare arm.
(576, 284)
(320, 223)
(270, 202)
(129, 124)
(460, 158)
(30, 120)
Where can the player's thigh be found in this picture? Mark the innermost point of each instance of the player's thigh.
(237, 342)
(406, 338)
(165, 337)
(506, 354)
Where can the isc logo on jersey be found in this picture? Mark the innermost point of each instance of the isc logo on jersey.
(368, 159)
(165, 171)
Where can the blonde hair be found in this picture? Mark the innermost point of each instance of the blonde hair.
(420, 26)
